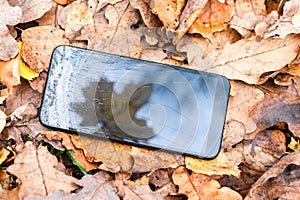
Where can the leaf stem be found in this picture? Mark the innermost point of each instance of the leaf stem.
(7, 178)
(75, 162)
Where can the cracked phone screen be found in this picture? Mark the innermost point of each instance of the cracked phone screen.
(138, 102)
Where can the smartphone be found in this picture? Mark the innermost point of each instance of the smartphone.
(136, 102)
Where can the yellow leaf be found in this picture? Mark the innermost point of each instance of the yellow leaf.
(294, 145)
(3, 155)
(25, 71)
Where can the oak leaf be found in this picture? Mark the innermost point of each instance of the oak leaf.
(280, 181)
(199, 186)
(8, 16)
(32, 9)
(38, 45)
(39, 172)
(10, 73)
(287, 23)
(189, 14)
(246, 59)
(221, 165)
(265, 149)
(168, 11)
(213, 18)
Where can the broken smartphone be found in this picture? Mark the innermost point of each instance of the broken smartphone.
(135, 102)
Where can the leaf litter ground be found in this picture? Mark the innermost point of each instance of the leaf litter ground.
(253, 43)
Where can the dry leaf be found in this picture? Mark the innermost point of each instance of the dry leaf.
(10, 73)
(221, 165)
(280, 181)
(114, 156)
(139, 191)
(149, 19)
(38, 44)
(39, 82)
(199, 186)
(168, 11)
(245, 6)
(240, 106)
(22, 94)
(50, 18)
(278, 107)
(8, 16)
(63, 2)
(9, 194)
(39, 172)
(284, 26)
(23, 114)
(213, 18)
(265, 149)
(32, 9)
(234, 132)
(244, 60)
(294, 145)
(3, 154)
(154, 159)
(189, 14)
(65, 140)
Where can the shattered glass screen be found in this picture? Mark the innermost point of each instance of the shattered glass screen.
(138, 102)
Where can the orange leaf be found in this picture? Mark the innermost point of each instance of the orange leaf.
(213, 18)
(10, 73)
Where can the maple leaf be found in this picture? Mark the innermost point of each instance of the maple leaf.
(40, 172)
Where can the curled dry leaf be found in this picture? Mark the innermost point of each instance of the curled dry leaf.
(213, 18)
(199, 186)
(149, 18)
(8, 16)
(189, 14)
(286, 25)
(32, 9)
(39, 172)
(168, 11)
(280, 181)
(38, 45)
(234, 132)
(221, 165)
(265, 149)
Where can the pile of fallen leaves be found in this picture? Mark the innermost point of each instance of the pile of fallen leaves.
(252, 42)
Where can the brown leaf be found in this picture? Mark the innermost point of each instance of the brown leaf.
(199, 186)
(168, 11)
(50, 17)
(139, 191)
(245, 6)
(22, 94)
(240, 106)
(284, 25)
(63, 2)
(114, 156)
(8, 16)
(66, 141)
(32, 9)
(149, 19)
(23, 114)
(265, 149)
(221, 165)
(39, 82)
(9, 194)
(189, 14)
(154, 159)
(234, 132)
(39, 173)
(213, 18)
(244, 60)
(280, 181)
(10, 73)
(278, 107)
(38, 44)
